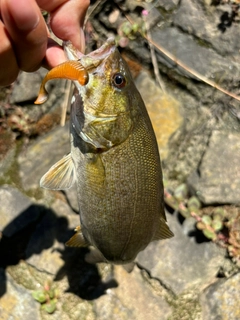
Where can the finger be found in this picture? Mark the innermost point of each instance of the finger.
(54, 55)
(8, 64)
(27, 29)
(67, 19)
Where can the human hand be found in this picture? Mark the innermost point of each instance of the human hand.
(24, 35)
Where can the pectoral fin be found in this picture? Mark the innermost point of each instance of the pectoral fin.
(60, 176)
(77, 239)
(107, 130)
(98, 141)
(163, 232)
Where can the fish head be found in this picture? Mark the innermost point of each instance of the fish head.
(101, 110)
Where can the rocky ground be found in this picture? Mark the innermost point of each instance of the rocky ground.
(190, 276)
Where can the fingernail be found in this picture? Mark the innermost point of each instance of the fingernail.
(24, 14)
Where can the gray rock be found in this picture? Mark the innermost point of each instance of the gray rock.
(201, 59)
(16, 211)
(186, 149)
(41, 155)
(69, 305)
(24, 93)
(189, 226)
(18, 303)
(49, 237)
(163, 109)
(168, 5)
(220, 300)
(7, 158)
(180, 262)
(26, 87)
(132, 299)
(204, 22)
(218, 177)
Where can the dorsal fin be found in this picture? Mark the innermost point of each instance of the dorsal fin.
(60, 176)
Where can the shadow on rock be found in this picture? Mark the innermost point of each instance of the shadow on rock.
(226, 21)
(36, 229)
(83, 278)
(15, 239)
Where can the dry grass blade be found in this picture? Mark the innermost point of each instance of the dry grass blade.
(90, 11)
(185, 67)
(153, 57)
(66, 101)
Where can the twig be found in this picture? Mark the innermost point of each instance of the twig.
(66, 101)
(90, 11)
(153, 55)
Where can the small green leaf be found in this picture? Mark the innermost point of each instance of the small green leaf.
(207, 220)
(126, 29)
(194, 204)
(217, 217)
(51, 293)
(217, 225)
(172, 202)
(220, 212)
(49, 307)
(143, 29)
(135, 27)
(201, 225)
(210, 234)
(181, 192)
(184, 211)
(40, 296)
(56, 293)
(165, 183)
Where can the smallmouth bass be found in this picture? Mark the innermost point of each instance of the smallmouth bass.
(114, 157)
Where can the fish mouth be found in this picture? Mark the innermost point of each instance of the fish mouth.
(104, 51)
(94, 58)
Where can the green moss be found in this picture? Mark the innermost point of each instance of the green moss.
(203, 43)
(11, 176)
(186, 306)
(27, 276)
(77, 308)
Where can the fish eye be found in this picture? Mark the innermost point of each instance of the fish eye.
(119, 80)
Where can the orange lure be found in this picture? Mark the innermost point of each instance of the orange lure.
(71, 70)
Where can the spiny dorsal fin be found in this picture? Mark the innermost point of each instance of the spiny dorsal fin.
(77, 239)
(163, 232)
(60, 176)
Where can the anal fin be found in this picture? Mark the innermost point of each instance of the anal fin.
(60, 176)
(77, 239)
